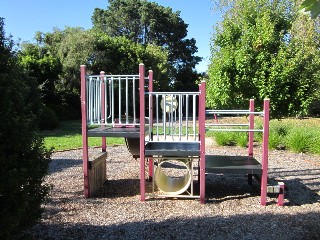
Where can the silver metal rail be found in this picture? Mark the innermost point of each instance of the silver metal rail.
(119, 100)
(174, 120)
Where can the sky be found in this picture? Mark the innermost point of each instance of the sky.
(23, 18)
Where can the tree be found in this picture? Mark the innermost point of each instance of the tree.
(42, 65)
(149, 23)
(23, 159)
(56, 56)
(264, 49)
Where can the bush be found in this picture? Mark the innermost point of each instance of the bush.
(299, 140)
(23, 159)
(315, 146)
(277, 135)
(48, 119)
(224, 138)
(241, 139)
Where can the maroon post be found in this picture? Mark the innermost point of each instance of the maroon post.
(251, 127)
(281, 194)
(103, 109)
(150, 119)
(142, 132)
(264, 178)
(202, 131)
(85, 157)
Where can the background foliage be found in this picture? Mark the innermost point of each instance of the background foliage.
(264, 49)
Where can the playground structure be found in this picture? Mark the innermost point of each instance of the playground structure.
(167, 131)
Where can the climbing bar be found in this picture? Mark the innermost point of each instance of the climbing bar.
(227, 124)
(233, 130)
(240, 112)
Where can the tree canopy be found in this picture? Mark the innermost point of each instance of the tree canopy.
(264, 49)
(149, 23)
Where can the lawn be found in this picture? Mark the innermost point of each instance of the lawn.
(68, 136)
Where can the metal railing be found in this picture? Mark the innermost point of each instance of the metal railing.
(112, 99)
(174, 116)
(243, 127)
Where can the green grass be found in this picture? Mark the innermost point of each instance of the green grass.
(68, 136)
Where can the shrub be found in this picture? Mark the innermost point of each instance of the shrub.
(299, 139)
(224, 138)
(241, 139)
(23, 159)
(277, 135)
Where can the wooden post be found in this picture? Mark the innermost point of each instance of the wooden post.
(202, 132)
(142, 132)
(265, 137)
(251, 127)
(85, 156)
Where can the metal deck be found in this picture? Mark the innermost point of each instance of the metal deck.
(232, 164)
(173, 149)
(108, 131)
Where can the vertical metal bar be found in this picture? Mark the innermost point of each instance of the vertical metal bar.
(194, 117)
(112, 100)
(106, 100)
(142, 132)
(85, 155)
(127, 101)
(202, 119)
(187, 116)
(119, 100)
(103, 108)
(151, 103)
(265, 137)
(164, 113)
(99, 100)
(251, 127)
(157, 114)
(172, 115)
(96, 103)
(180, 116)
(87, 98)
(134, 99)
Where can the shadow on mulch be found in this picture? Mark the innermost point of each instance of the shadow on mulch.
(242, 226)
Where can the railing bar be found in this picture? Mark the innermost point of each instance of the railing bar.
(164, 116)
(127, 101)
(119, 100)
(157, 115)
(173, 114)
(112, 100)
(187, 116)
(226, 124)
(180, 116)
(232, 112)
(194, 116)
(122, 77)
(134, 100)
(232, 130)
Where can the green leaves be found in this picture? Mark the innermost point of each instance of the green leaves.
(264, 49)
(311, 7)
